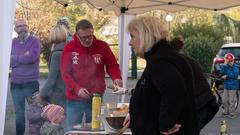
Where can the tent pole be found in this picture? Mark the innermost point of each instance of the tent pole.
(7, 12)
(124, 48)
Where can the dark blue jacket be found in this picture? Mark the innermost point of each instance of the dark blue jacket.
(231, 82)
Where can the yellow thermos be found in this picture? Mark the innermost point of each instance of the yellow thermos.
(223, 128)
(96, 110)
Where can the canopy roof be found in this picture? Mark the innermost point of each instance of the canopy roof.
(141, 6)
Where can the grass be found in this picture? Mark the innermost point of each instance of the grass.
(43, 74)
(43, 71)
(10, 114)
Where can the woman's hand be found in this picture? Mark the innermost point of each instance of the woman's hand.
(126, 121)
(175, 129)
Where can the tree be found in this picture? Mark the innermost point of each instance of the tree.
(230, 26)
(202, 42)
(43, 14)
(202, 36)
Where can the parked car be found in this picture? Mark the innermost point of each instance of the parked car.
(233, 48)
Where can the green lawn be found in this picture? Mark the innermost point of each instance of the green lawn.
(43, 70)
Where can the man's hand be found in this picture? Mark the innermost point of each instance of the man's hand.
(175, 129)
(226, 61)
(118, 82)
(83, 93)
(119, 90)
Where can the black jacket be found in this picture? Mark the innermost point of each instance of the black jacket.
(164, 94)
(202, 90)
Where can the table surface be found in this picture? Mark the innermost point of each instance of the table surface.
(79, 132)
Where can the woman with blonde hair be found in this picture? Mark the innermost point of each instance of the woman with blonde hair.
(163, 100)
(54, 88)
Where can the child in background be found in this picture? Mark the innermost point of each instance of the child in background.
(34, 111)
(54, 116)
(229, 72)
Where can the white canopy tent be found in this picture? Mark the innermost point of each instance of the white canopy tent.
(125, 9)
(141, 6)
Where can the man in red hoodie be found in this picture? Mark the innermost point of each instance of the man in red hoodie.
(83, 63)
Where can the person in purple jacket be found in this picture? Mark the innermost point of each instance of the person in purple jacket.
(25, 70)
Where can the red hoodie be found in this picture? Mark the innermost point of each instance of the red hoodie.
(84, 67)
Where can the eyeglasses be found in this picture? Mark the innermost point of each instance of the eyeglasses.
(23, 25)
(85, 38)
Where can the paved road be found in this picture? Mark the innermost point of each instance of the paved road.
(211, 129)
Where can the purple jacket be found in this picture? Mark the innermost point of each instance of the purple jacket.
(35, 119)
(25, 60)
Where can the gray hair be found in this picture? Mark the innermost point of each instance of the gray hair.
(84, 24)
(63, 21)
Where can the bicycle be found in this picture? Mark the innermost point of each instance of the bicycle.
(218, 93)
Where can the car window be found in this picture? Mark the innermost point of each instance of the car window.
(234, 51)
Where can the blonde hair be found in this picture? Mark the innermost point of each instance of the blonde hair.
(58, 34)
(151, 30)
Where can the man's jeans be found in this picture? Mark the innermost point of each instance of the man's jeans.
(20, 92)
(75, 112)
